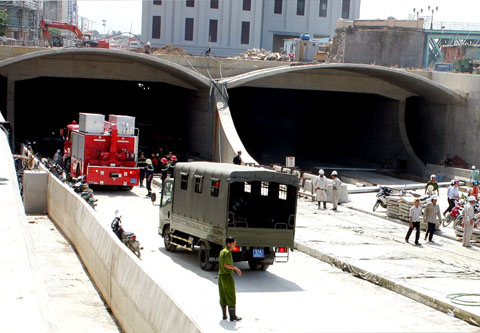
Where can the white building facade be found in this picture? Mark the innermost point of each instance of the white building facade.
(230, 27)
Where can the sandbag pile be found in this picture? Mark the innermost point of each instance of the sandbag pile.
(261, 54)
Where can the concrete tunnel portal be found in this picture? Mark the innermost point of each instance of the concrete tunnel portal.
(45, 91)
(338, 114)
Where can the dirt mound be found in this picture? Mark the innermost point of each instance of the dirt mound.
(170, 49)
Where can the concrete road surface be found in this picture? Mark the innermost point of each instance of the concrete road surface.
(303, 295)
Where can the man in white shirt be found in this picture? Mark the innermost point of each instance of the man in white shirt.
(320, 186)
(414, 217)
(452, 196)
(468, 213)
(337, 183)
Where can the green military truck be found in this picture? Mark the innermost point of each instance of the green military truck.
(206, 202)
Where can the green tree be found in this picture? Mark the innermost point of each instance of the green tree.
(3, 23)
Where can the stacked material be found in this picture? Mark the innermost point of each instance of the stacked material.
(261, 54)
(399, 207)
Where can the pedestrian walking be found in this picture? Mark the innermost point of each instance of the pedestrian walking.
(431, 215)
(452, 196)
(320, 184)
(414, 217)
(142, 165)
(468, 220)
(149, 176)
(337, 183)
(238, 158)
(434, 184)
(474, 191)
(226, 283)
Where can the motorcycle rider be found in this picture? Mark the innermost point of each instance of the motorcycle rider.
(432, 182)
(452, 196)
(117, 225)
(320, 186)
(474, 191)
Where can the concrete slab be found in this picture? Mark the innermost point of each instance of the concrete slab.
(375, 249)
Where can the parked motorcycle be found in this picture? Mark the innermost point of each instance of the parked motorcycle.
(89, 198)
(454, 214)
(128, 238)
(382, 197)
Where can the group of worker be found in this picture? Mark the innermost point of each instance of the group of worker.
(432, 214)
(164, 165)
(320, 185)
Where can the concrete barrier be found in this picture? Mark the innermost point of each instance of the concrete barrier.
(136, 300)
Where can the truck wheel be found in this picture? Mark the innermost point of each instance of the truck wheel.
(167, 238)
(203, 255)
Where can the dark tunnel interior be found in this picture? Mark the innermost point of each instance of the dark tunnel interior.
(319, 128)
(44, 105)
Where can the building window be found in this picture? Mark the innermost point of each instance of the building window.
(247, 188)
(189, 29)
(184, 181)
(247, 5)
(198, 184)
(157, 2)
(323, 8)
(264, 189)
(156, 25)
(190, 3)
(346, 9)
(277, 9)
(214, 4)
(245, 38)
(300, 7)
(215, 190)
(282, 192)
(212, 31)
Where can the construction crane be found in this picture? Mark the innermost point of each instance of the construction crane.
(82, 40)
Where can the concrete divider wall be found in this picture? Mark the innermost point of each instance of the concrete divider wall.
(136, 300)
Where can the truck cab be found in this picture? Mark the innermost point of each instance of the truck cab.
(206, 202)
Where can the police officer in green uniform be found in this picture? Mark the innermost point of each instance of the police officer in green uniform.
(142, 165)
(226, 284)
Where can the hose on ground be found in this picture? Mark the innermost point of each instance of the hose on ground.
(457, 299)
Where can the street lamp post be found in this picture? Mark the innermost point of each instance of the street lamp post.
(417, 11)
(104, 23)
(433, 10)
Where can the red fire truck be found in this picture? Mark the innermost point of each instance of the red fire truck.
(105, 152)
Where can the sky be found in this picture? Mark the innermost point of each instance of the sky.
(126, 15)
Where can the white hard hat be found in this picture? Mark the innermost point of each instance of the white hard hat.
(471, 198)
(434, 197)
(321, 172)
(148, 44)
(433, 176)
(148, 161)
(334, 173)
(118, 214)
(473, 167)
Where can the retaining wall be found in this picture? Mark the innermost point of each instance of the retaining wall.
(136, 300)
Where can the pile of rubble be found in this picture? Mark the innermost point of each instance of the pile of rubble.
(261, 54)
(170, 49)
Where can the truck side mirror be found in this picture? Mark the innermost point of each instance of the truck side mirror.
(61, 132)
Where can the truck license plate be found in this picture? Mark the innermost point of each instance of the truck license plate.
(258, 253)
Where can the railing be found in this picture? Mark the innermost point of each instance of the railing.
(459, 26)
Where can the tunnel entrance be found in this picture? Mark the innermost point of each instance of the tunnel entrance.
(319, 127)
(44, 105)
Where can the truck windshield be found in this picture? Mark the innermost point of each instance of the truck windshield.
(262, 205)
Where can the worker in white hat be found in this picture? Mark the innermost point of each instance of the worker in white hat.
(431, 215)
(337, 183)
(432, 183)
(468, 220)
(320, 184)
